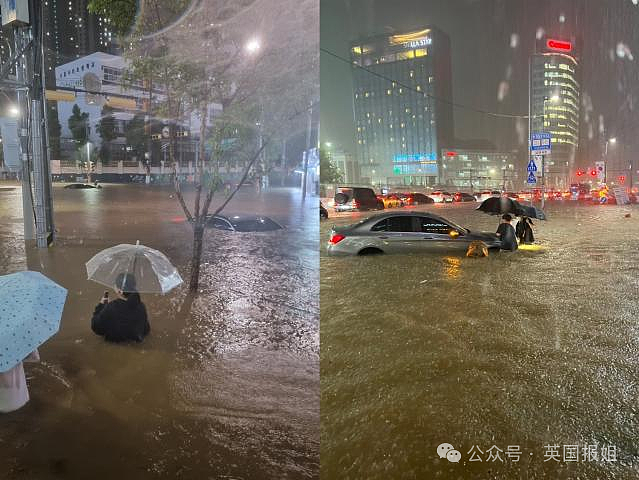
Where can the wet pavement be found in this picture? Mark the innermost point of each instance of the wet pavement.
(530, 349)
(227, 384)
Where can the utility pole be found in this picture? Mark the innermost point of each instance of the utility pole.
(308, 150)
(32, 128)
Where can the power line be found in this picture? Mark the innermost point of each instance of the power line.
(424, 94)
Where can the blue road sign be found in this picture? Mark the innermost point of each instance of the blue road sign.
(532, 166)
(531, 178)
(540, 143)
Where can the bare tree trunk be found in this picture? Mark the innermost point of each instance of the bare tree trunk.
(198, 237)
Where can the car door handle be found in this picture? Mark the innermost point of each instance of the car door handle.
(427, 238)
(383, 238)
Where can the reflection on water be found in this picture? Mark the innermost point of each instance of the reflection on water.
(527, 348)
(226, 385)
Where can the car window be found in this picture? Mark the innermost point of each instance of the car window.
(219, 223)
(364, 193)
(430, 225)
(399, 224)
(379, 226)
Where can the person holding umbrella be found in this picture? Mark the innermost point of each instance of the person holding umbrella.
(30, 312)
(524, 231)
(506, 233)
(123, 319)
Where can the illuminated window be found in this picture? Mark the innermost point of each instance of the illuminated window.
(411, 74)
(418, 88)
(389, 91)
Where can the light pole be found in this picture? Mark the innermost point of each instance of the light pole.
(252, 47)
(612, 140)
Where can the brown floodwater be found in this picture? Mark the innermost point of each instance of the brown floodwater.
(227, 384)
(528, 349)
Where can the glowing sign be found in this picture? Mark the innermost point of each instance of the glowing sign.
(416, 39)
(559, 45)
(421, 42)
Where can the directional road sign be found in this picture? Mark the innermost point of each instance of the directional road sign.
(540, 143)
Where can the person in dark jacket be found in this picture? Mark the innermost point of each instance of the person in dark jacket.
(506, 233)
(525, 231)
(123, 319)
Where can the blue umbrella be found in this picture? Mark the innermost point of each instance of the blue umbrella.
(30, 311)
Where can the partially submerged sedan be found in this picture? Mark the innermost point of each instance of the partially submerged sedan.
(403, 232)
(243, 223)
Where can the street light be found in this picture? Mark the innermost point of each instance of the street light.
(252, 46)
(14, 111)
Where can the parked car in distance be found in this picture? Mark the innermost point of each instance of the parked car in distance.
(486, 194)
(463, 197)
(323, 212)
(404, 232)
(391, 200)
(441, 196)
(415, 198)
(348, 199)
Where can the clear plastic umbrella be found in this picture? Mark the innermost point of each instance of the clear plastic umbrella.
(153, 272)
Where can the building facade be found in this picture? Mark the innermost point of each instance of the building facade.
(103, 72)
(402, 106)
(346, 164)
(472, 170)
(555, 93)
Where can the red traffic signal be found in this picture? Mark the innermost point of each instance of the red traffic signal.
(621, 178)
(580, 173)
(593, 172)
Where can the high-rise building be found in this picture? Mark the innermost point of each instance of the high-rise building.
(555, 104)
(71, 32)
(402, 106)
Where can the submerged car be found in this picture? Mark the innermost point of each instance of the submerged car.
(403, 232)
(349, 199)
(391, 200)
(415, 198)
(463, 197)
(243, 223)
(440, 196)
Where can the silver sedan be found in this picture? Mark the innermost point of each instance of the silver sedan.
(402, 232)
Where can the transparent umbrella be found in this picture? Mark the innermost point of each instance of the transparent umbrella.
(153, 272)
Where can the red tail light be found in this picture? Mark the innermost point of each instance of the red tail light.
(336, 238)
(355, 204)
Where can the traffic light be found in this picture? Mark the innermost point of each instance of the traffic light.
(621, 178)
(593, 172)
(580, 173)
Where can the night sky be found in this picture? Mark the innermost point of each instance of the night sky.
(491, 41)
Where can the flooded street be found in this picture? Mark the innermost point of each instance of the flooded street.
(527, 349)
(227, 384)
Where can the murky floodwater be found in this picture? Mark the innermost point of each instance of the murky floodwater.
(526, 349)
(226, 385)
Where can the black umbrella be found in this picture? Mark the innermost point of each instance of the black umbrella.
(501, 205)
(533, 212)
